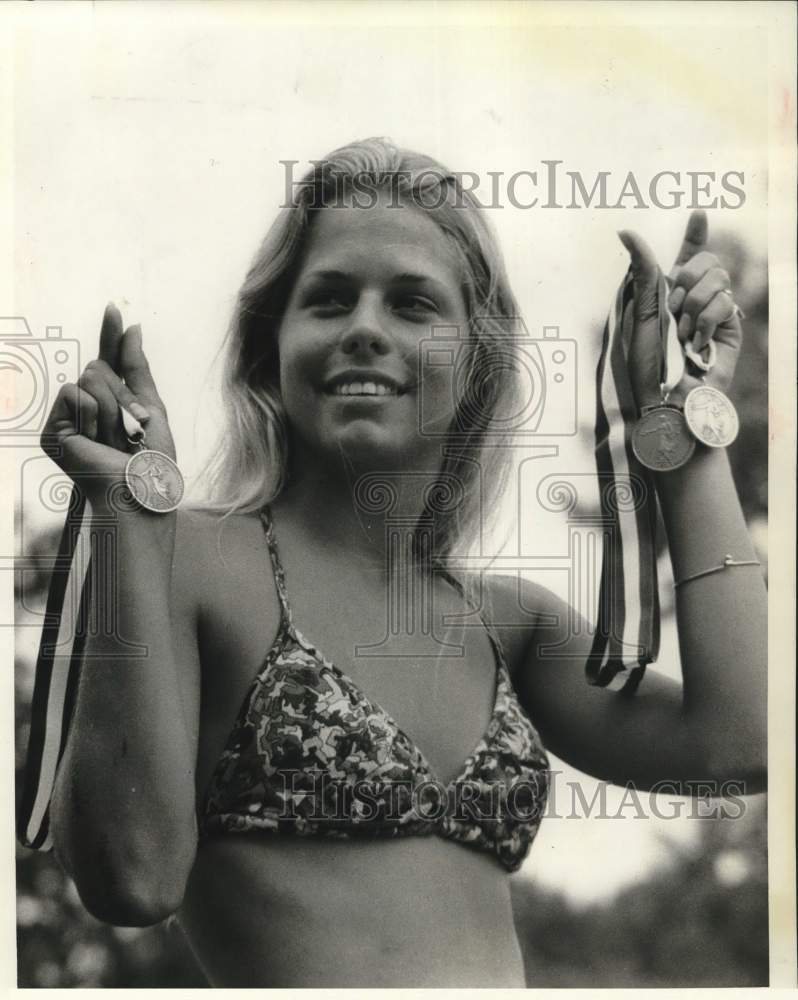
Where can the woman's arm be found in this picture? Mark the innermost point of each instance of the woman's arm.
(713, 726)
(122, 813)
(721, 617)
(123, 809)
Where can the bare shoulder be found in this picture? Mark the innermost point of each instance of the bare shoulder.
(205, 542)
(520, 601)
(518, 608)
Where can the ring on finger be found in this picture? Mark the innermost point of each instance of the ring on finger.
(737, 311)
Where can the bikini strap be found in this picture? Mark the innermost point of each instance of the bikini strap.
(286, 617)
(493, 635)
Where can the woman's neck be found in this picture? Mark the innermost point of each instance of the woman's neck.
(357, 516)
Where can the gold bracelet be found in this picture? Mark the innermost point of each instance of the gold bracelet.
(727, 561)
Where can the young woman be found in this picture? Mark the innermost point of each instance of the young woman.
(320, 807)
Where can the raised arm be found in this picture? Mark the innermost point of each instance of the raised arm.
(123, 808)
(713, 726)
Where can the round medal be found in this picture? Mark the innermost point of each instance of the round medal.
(711, 416)
(154, 480)
(661, 440)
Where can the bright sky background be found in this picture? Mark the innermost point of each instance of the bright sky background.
(147, 144)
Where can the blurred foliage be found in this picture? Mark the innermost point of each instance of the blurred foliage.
(59, 944)
(701, 920)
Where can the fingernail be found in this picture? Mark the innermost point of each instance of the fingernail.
(139, 412)
(685, 325)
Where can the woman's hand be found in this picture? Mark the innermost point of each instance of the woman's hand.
(84, 434)
(700, 302)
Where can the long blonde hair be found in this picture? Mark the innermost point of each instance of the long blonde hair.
(249, 466)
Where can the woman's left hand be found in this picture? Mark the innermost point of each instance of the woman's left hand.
(699, 299)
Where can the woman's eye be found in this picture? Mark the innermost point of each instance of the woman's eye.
(329, 300)
(415, 304)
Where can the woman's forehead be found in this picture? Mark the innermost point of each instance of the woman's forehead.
(381, 237)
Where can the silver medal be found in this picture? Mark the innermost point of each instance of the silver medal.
(154, 480)
(152, 477)
(711, 416)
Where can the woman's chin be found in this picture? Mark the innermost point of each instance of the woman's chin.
(367, 444)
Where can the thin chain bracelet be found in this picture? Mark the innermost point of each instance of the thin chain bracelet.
(727, 561)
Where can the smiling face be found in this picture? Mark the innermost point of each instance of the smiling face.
(372, 284)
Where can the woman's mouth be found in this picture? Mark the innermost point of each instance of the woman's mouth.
(363, 384)
(364, 389)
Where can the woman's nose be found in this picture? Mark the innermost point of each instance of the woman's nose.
(365, 333)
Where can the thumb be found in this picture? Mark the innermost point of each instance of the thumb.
(134, 367)
(645, 344)
(695, 239)
(645, 270)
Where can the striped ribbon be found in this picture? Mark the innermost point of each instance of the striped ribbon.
(627, 631)
(57, 672)
(627, 628)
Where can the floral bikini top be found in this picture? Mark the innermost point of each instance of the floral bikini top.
(311, 755)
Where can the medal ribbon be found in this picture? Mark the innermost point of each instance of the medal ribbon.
(57, 672)
(627, 621)
(672, 353)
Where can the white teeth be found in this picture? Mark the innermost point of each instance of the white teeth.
(364, 389)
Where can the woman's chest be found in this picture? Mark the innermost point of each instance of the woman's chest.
(421, 658)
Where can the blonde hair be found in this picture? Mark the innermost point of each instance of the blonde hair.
(249, 466)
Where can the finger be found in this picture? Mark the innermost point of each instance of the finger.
(699, 297)
(86, 412)
(122, 393)
(695, 238)
(109, 391)
(110, 336)
(720, 310)
(96, 386)
(74, 412)
(693, 271)
(645, 270)
(60, 420)
(135, 369)
(676, 298)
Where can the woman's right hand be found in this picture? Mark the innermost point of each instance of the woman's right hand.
(84, 434)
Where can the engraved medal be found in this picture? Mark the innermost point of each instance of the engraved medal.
(711, 416)
(152, 477)
(661, 440)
